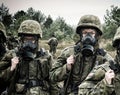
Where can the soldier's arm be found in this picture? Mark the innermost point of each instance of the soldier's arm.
(6, 74)
(5, 68)
(59, 72)
(101, 88)
(49, 41)
(5, 62)
(96, 84)
(54, 88)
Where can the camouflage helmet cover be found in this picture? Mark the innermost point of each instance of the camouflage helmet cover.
(89, 21)
(116, 38)
(30, 27)
(3, 31)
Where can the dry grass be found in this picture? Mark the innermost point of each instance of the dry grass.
(104, 43)
(60, 46)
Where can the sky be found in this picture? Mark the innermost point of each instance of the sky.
(70, 10)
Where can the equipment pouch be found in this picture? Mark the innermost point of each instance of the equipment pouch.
(20, 88)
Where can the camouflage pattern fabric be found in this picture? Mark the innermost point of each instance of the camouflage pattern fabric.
(89, 21)
(95, 80)
(37, 91)
(95, 84)
(37, 71)
(81, 69)
(30, 27)
(82, 65)
(31, 76)
(4, 58)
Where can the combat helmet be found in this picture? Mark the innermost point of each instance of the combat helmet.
(116, 38)
(89, 21)
(30, 27)
(3, 31)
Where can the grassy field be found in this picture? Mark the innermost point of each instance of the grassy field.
(64, 44)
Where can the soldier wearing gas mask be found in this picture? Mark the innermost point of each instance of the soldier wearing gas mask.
(30, 67)
(76, 62)
(104, 79)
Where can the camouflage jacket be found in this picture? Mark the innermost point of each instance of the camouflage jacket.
(95, 84)
(5, 63)
(81, 68)
(37, 69)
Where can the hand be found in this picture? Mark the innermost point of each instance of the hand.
(14, 62)
(109, 75)
(70, 62)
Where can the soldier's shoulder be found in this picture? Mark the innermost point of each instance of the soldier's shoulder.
(66, 52)
(86, 84)
(104, 66)
(55, 38)
(8, 55)
(98, 73)
(68, 49)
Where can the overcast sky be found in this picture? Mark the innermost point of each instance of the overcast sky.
(70, 10)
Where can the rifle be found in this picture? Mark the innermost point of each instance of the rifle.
(15, 75)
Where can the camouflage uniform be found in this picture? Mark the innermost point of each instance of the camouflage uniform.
(95, 83)
(31, 76)
(82, 65)
(5, 58)
(53, 42)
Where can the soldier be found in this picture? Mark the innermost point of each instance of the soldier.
(76, 62)
(30, 70)
(53, 42)
(4, 58)
(104, 79)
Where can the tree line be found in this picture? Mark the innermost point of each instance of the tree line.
(58, 27)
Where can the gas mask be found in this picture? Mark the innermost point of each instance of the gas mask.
(29, 49)
(88, 45)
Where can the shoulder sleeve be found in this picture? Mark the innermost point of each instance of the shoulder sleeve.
(58, 71)
(92, 88)
(95, 83)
